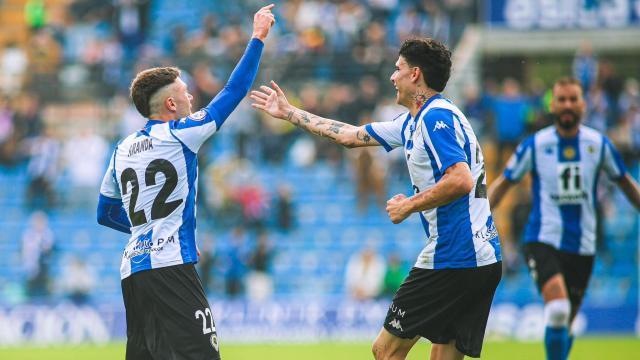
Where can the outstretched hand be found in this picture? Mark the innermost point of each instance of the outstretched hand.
(263, 20)
(272, 101)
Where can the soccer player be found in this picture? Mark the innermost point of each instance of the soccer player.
(448, 293)
(564, 161)
(149, 191)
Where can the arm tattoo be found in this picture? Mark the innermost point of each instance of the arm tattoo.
(335, 128)
(290, 115)
(328, 128)
(365, 138)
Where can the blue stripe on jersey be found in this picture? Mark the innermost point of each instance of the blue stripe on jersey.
(425, 224)
(616, 157)
(143, 245)
(594, 191)
(186, 232)
(532, 232)
(371, 132)
(452, 246)
(570, 213)
(520, 151)
(455, 240)
(188, 249)
(404, 126)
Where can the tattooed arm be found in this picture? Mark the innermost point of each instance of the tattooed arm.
(273, 101)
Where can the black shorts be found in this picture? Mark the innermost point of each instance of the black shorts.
(545, 261)
(444, 305)
(168, 315)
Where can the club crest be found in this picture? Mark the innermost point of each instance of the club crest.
(198, 115)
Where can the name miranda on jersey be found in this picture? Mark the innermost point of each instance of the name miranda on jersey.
(140, 146)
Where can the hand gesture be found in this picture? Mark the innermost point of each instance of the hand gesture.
(396, 208)
(262, 22)
(272, 101)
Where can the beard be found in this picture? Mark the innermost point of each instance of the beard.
(567, 119)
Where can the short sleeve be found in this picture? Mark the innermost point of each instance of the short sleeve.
(109, 187)
(612, 163)
(388, 133)
(196, 128)
(521, 161)
(445, 138)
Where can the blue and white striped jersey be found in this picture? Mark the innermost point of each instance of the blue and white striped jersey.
(564, 176)
(460, 234)
(154, 172)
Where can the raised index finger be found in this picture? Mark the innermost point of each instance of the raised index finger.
(268, 7)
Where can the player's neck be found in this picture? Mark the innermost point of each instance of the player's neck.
(419, 98)
(567, 133)
(162, 117)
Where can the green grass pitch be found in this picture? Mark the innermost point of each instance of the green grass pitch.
(587, 348)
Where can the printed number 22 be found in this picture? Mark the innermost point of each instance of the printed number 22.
(481, 187)
(206, 329)
(160, 208)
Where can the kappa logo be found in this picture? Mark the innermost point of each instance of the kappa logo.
(395, 323)
(440, 125)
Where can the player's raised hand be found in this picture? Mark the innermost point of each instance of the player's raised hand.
(262, 22)
(272, 101)
(396, 208)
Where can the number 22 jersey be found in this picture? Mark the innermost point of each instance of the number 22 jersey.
(154, 171)
(564, 174)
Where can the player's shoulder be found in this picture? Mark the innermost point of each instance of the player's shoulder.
(591, 135)
(544, 136)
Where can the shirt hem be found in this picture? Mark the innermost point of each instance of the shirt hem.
(156, 266)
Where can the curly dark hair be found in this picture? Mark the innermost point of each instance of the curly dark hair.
(147, 83)
(432, 57)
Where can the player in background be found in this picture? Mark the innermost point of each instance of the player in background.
(564, 161)
(447, 296)
(149, 191)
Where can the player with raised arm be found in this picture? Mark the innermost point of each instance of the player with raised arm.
(149, 191)
(447, 296)
(564, 161)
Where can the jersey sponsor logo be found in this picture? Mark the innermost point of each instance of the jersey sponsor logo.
(146, 246)
(440, 125)
(486, 233)
(570, 189)
(198, 115)
(395, 323)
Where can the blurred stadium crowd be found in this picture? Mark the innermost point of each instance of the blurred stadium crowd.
(275, 206)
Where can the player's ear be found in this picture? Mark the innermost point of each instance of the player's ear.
(170, 104)
(415, 74)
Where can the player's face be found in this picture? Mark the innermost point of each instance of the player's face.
(567, 105)
(401, 80)
(182, 99)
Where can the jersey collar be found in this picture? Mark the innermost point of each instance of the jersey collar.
(147, 127)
